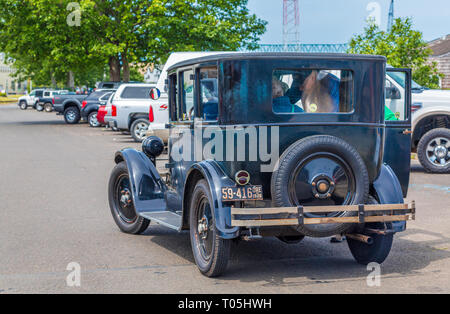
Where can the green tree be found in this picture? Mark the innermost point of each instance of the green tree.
(402, 46)
(118, 33)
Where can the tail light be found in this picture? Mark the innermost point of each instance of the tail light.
(151, 116)
(83, 104)
(114, 110)
(416, 106)
(53, 101)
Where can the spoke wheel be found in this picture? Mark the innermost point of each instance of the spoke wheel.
(320, 170)
(124, 199)
(121, 202)
(211, 252)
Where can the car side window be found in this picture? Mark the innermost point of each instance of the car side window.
(105, 97)
(209, 96)
(186, 108)
(136, 92)
(33, 93)
(395, 101)
(312, 91)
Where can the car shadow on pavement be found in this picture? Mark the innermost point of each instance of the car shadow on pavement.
(313, 260)
(417, 168)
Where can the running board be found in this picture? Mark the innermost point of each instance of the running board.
(166, 218)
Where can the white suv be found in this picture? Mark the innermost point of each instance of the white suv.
(30, 100)
(131, 108)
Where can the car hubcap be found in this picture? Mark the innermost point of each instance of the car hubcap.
(70, 116)
(125, 201)
(322, 179)
(204, 228)
(93, 120)
(141, 129)
(438, 151)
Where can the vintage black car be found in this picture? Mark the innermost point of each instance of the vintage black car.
(272, 144)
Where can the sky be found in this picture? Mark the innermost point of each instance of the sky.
(336, 21)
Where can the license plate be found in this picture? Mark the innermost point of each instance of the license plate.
(242, 193)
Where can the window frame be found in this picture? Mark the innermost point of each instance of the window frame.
(198, 91)
(353, 100)
(179, 97)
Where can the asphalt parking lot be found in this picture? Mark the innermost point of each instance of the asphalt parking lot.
(54, 211)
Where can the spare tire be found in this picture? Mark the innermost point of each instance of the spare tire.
(318, 171)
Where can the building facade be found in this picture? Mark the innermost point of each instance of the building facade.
(441, 55)
(8, 84)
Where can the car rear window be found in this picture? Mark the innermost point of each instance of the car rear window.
(96, 95)
(136, 92)
(107, 85)
(312, 91)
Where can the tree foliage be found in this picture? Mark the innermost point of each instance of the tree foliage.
(402, 46)
(117, 34)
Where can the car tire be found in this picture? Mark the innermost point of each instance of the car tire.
(92, 119)
(378, 250)
(291, 239)
(211, 252)
(311, 164)
(139, 129)
(23, 105)
(48, 107)
(39, 107)
(121, 202)
(72, 115)
(433, 151)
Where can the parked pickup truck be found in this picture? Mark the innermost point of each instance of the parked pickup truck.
(70, 106)
(46, 101)
(129, 109)
(430, 121)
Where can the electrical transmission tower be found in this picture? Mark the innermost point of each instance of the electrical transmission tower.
(391, 16)
(291, 22)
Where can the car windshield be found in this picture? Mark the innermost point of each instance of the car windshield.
(400, 79)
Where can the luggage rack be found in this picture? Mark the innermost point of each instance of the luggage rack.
(263, 217)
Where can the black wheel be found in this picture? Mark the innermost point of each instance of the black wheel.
(211, 253)
(291, 239)
(72, 115)
(92, 119)
(48, 107)
(139, 129)
(23, 105)
(121, 202)
(434, 151)
(318, 171)
(378, 250)
(39, 107)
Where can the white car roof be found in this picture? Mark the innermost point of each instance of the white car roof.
(179, 57)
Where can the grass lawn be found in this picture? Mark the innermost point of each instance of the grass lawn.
(9, 99)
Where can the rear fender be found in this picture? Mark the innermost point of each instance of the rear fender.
(389, 191)
(148, 189)
(216, 179)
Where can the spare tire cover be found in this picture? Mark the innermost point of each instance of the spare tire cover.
(318, 171)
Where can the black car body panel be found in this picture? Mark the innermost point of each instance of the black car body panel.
(245, 100)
